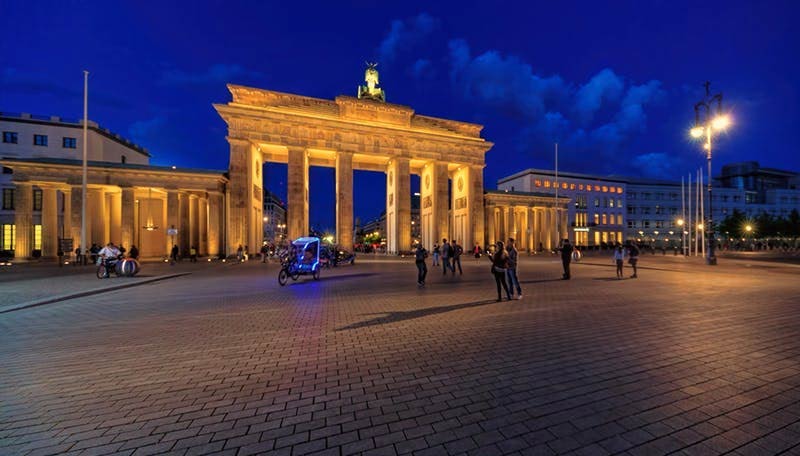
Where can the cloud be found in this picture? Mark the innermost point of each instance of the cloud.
(655, 164)
(219, 73)
(596, 120)
(422, 69)
(505, 83)
(605, 86)
(404, 35)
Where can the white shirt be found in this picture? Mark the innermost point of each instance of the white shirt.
(109, 252)
(619, 255)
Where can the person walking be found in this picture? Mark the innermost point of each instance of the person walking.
(193, 254)
(566, 258)
(457, 252)
(619, 259)
(633, 258)
(422, 269)
(240, 253)
(174, 254)
(436, 253)
(499, 264)
(511, 271)
(477, 251)
(447, 252)
(264, 251)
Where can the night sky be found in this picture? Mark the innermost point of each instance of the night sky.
(614, 86)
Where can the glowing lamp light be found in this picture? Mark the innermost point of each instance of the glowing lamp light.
(700, 226)
(697, 132)
(721, 122)
(680, 222)
(748, 228)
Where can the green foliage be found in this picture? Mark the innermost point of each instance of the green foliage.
(764, 225)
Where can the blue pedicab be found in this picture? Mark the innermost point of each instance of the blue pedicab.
(302, 259)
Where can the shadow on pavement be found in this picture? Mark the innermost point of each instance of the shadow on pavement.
(324, 278)
(608, 279)
(393, 317)
(540, 280)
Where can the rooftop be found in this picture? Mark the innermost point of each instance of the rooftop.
(25, 117)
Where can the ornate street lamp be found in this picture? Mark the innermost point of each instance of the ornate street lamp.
(704, 126)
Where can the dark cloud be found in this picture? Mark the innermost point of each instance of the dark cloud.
(422, 69)
(404, 35)
(597, 119)
(219, 73)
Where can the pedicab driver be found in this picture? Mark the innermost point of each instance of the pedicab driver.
(110, 252)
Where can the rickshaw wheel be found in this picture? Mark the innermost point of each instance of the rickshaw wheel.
(295, 275)
(316, 273)
(102, 272)
(283, 277)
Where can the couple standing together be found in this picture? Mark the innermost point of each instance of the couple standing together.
(504, 269)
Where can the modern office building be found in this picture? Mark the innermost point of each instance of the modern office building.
(605, 209)
(596, 210)
(274, 218)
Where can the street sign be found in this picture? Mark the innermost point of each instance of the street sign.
(65, 245)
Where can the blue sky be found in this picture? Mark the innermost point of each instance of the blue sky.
(613, 82)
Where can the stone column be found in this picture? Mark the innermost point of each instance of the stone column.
(489, 224)
(214, 223)
(239, 192)
(202, 226)
(475, 203)
(344, 200)
(49, 223)
(98, 222)
(297, 193)
(512, 223)
(66, 218)
(172, 218)
(127, 218)
(530, 229)
(183, 224)
(23, 219)
(115, 218)
(194, 221)
(75, 216)
(501, 223)
(565, 228)
(398, 206)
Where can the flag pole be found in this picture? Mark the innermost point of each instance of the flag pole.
(558, 216)
(85, 145)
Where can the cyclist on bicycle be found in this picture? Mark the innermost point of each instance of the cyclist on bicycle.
(110, 253)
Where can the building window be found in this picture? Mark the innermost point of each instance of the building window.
(39, 140)
(8, 199)
(646, 210)
(619, 219)
(619, 202)
(596, 219)
(611, 202)
(597, 202)
(37, 237)
(605, 219)
(645, 196)
(631, 210)
(659, 210)
(124, 159)
(631, 224)
(37, 199)
(631, 195)
(10, 137)
(646, 224)
(69, 143)
(9, 237)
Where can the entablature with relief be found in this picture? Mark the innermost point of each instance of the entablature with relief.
(362, 139)
(67, 176)
(517, 200)
(267, 103)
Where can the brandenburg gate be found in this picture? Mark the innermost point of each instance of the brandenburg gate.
(348, 134)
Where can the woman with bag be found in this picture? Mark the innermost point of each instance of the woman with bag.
(499, 266)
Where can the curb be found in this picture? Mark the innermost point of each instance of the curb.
(53, 299)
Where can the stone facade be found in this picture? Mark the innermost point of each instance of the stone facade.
(351, 134)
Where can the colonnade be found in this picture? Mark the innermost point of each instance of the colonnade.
(125, 215)
(446, 211)
(531, 226)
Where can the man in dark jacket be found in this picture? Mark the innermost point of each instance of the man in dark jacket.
(566, 258)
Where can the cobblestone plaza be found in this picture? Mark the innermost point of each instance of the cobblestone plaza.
(224, 361)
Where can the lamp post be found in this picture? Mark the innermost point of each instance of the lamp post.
(703, 127)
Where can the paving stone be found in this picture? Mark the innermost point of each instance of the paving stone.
(661, 364)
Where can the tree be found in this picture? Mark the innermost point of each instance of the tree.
(732, 224)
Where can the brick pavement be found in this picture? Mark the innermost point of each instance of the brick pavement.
(362, 362)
